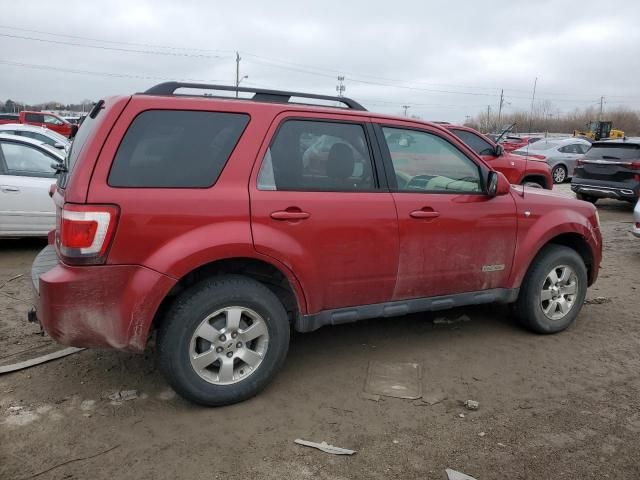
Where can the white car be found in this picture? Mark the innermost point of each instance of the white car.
(27, 171)
(636, 220)
(41, 134)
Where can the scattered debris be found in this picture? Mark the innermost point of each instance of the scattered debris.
(87, 405)
(42, 472)
(597, 301)
(455, 475)
(369, 396)
(399, 380)
(7, 282)
(15, 409)
(449, 321)
(38, 360)
(481, 434)
(461, 415)
(472, 404)
(396, 441)
(167, 395)
(501, 444)
(325, 447)
(124, 395)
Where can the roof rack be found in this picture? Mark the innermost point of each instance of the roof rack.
(260, 94)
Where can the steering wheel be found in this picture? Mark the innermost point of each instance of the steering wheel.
(419, 181)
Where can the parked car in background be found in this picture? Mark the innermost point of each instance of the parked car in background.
(224, 238)
(560, 154)
(512, 142)
(636, 220)
(41, 134)
(50, 121)
(26, 176)
(9, 118)
(517, 170)
(611, 169)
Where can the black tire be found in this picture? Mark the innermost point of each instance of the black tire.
(186, 315)
(532, 184)
(586, 198)
(528, 308)
(559, 174)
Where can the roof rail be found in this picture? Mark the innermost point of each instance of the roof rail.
(260, 94)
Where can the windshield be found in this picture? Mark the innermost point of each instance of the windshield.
(537, 146)
(613, 151)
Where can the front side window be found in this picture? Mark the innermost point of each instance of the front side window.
(314, 155)
(26, 161)
(34, 117)
(50, 119)
(475, 142)
(423, 162)
(175, 149)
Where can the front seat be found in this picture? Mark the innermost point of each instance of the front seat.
(340, 165)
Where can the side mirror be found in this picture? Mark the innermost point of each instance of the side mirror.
(499, 151)
(497, 184)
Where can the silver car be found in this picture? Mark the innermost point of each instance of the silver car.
(40, 134)
(636, 220)
(560, 153)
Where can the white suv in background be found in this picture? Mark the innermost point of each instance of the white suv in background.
(41, 134)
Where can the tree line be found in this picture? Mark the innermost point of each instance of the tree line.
(546, 119)
(11, 106)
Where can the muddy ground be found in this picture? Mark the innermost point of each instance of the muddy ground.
(565, 406)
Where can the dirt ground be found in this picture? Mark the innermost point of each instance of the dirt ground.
(565, 406)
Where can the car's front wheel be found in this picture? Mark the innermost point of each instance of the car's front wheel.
(223, 340)
(553, 291)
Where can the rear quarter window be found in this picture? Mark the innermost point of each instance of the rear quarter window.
(176, 149)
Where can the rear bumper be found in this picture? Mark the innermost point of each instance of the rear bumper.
(108, 306)
(606, 190)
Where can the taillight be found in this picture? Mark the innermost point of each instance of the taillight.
(84, 232)
(634, 165)
(579, 163)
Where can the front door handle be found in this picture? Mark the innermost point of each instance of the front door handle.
(424, 213)
(290, 215)
(9, 189)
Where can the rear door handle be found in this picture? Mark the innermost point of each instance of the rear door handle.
(8, 188)
(424, 214)
(290, 215)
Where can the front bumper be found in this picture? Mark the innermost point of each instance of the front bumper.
(97, 306)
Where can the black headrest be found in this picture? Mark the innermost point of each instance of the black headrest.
(340, 162)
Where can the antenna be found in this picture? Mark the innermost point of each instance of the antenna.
(526, 158)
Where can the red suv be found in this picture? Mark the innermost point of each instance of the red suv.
(224, 223)
(50, 121)
(518, 169)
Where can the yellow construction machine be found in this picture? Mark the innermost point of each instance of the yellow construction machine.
(598, 130)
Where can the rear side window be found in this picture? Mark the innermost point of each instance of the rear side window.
(34, 117)
(176, 149)
(613, 151)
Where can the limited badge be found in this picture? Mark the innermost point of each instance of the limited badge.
(493, 268)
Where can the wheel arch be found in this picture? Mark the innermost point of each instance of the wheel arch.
(536, 178)
(277, 278)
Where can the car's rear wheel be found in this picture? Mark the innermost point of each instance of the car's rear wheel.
(559, 174)
(586, 198)
(223, 340)
(532, 184)
(553, 290)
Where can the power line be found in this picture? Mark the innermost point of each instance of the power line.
(117, 49)
(308, 69)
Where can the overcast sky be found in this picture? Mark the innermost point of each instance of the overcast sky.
(444, 59)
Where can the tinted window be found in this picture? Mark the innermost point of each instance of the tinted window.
(614, 151)
(26, 161)
(53, 120)
(183, 149)
(475, 142)
(320, 156)
(34, 117)
(424, 162)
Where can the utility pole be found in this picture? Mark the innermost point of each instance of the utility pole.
(500, 108)
(340, 88)
(601, 108)
(405, 108)
(237, 73)
(488, 118)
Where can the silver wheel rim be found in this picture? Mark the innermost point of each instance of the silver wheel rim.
(559, 292)
(559, 175)
(229, 345)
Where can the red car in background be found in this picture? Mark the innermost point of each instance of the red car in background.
(512, 143)
(9, 118)
(517, 169)
(50, 121)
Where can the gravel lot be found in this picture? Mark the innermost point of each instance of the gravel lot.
(562, 406)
